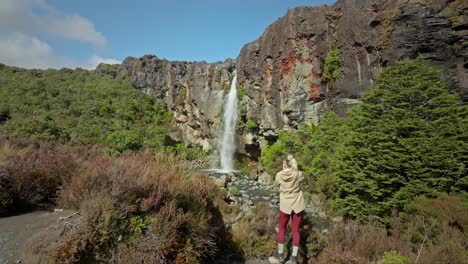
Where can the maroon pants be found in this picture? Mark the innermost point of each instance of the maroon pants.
(283, 222)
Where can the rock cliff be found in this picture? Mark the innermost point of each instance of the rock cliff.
(280, 74)
(194, 91)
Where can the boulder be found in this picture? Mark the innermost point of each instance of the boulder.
(221, 181)
(253, 175)
(265, 178)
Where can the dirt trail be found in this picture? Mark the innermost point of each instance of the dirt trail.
(16, 230)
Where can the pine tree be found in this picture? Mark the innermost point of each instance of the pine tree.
(408, 138)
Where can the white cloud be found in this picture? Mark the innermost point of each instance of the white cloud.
(23, 22)
(76, 27)
(30, 52)
(33, 17)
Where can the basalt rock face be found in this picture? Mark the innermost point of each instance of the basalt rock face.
(280, 73)
(194, 91)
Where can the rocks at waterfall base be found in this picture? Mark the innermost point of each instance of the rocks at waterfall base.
(250, 192)
(280, 74)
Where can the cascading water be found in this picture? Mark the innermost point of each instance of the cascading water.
(227, 146)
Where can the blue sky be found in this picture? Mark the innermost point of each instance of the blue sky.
(66, 33)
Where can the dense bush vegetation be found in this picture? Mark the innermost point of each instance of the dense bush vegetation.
(80, 107)
(137, 206)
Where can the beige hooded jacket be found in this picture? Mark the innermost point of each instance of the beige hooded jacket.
(291, 197)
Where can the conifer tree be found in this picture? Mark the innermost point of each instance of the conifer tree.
(408, 138)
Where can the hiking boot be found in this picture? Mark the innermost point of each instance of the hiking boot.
(292, 260)
(277, 258)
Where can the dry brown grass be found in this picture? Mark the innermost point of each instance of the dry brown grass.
(434, 229)
(31, 173)
(136, 206)
(356, 243)
(177, 207)
(255, 233)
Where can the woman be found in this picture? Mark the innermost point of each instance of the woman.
(291, 206)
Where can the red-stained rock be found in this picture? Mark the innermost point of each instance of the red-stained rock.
(314, 95)
(288, 63)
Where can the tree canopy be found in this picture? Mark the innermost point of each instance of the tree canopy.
(80, 107)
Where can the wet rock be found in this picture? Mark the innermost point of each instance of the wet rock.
(221, 181)
(275, 201)
(232, 176)
(265, 178)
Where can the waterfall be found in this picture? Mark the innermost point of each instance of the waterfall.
(228, 144)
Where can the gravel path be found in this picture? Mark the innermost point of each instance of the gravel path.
(15, 230)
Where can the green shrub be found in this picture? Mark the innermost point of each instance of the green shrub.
(331, 68)
(272, 156)
(241, 92)
(429, 220)
(315, 149)
(245, 164)
(251, 126)
(124, 140)
(393, 257)
(234, 191)
(189, 153)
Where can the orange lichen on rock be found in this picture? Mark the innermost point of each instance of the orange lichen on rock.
(314, 95)
(287, 64)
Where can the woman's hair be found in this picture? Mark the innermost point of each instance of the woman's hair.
(291, 161)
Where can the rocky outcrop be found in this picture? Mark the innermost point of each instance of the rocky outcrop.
(194, 91)
(282, 70)
(280, 74)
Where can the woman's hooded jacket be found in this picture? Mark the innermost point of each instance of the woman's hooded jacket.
(291, 197)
